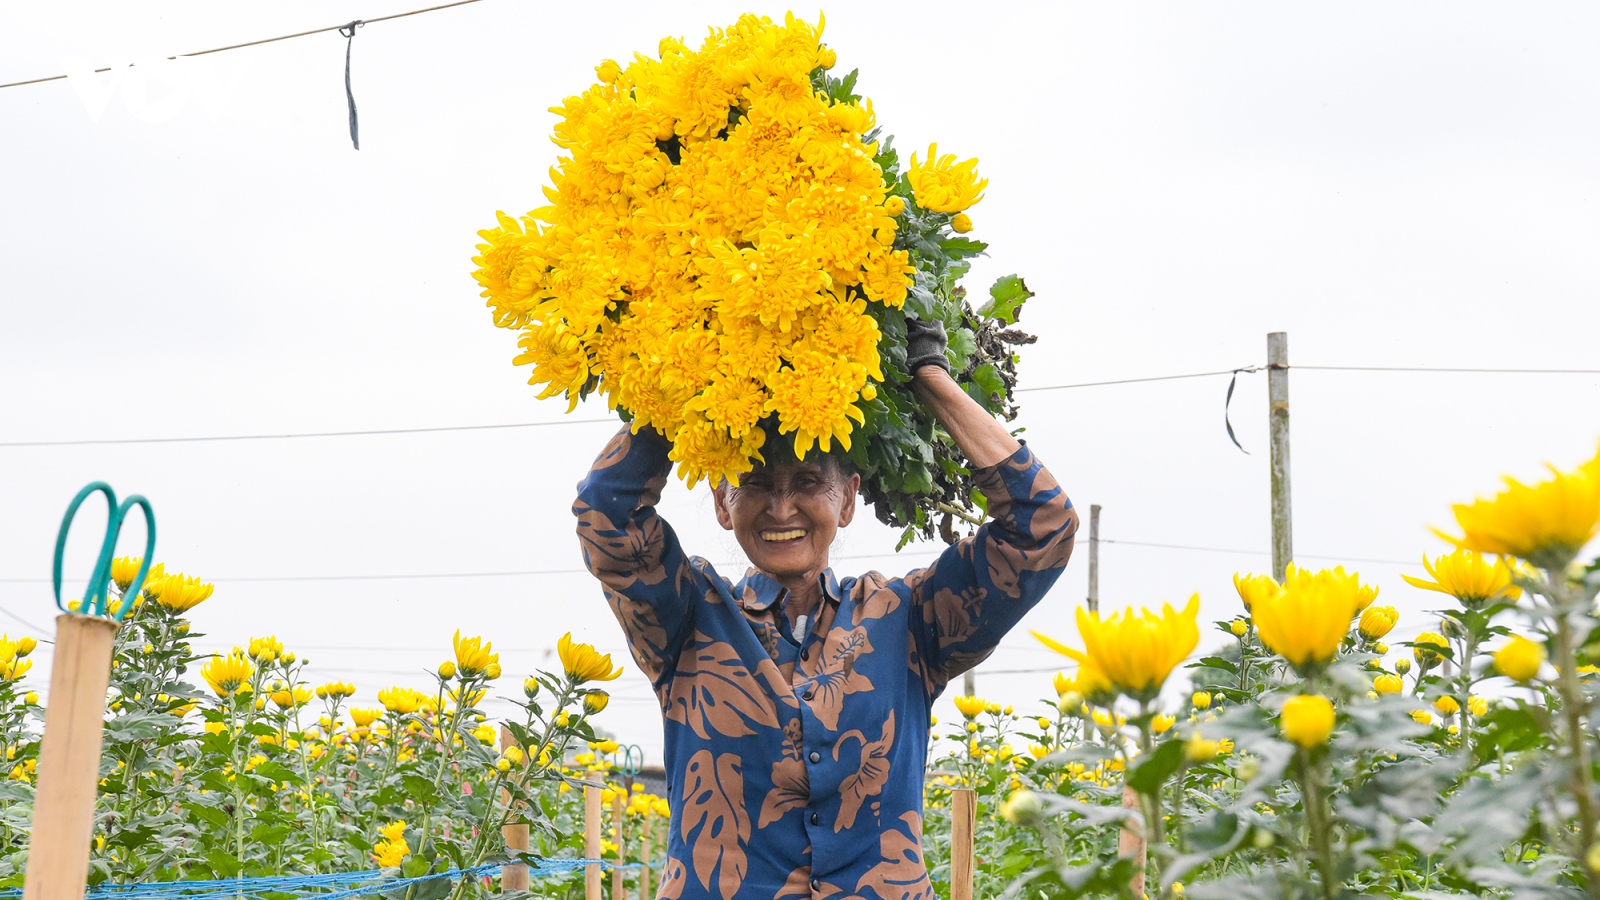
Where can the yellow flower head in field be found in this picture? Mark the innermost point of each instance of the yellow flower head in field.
(265, 649)
(1424, 648)
(401, 700)
(336, 690)
(1161, 724)
(1446, 705)
(1307, 619)
(607, 746)
(1201, 700)
(364, 716)
(14, 668)
(941, 184)
(1468, 576)
(1134, 651)
(289, 698)
(715, 233)
(1545, 523)
(595, 702)
(1388, 684)
(1377, 621)
(227, 675)
(472, 699)
(178, 593)
(473, 655)
(971, 707)
(124, 569)
(1307, 720)
(1198, 748)
(583, 663)
(392, 849)
(1063, 683)
(1519, 659)
(1251, 588)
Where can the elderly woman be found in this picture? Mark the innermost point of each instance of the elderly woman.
(796, 703)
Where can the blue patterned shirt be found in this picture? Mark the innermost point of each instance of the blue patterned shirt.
(795, 767)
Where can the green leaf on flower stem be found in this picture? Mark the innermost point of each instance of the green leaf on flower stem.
(216, 817)
(1148, 776)
(223, 864)
(277, 772)
(1006, 297)
(988, 377)
(414, 867)
(1510, 730)
(420, 789)
(1215, 662)
(961, 247)
(962, 345)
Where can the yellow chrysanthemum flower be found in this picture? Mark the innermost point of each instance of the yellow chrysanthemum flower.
(228, 674)
(1307, 720)
(1545, 523)
(1519, 659)
(1468, 576)
(1427, 656)
(473, 655)
(1307, 618)
(1377, 621)
(336, 690)
(941, 184)
(178, 593)
(287, 698)
(1134, 651)
(595, 702)
(1251, 588)
(1388, 684)
(364, 716)
(401, 700)
(583, 663)
(970, 706)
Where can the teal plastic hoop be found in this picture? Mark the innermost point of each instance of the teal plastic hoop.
(632, 759)
(96, 597)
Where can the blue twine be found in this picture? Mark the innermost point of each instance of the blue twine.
(366, 882)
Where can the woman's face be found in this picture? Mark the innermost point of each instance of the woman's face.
(785, 516)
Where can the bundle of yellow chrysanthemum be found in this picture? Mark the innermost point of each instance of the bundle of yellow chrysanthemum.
(720, 247)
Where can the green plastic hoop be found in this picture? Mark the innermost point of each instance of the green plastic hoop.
(96, 596)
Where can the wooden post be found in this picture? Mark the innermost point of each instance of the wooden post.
(963, 822)
(646, 826)
(69, 759)
(619, 887)
(1278, 434)
(592, 817)
(1130, 844)
(1094, 557)
(969, 683)
(515, 876)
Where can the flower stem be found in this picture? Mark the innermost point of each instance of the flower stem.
(1573, 703)
(1317, 823)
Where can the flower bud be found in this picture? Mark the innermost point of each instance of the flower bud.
(608, 71)
(1307, 720)
(1402, 665)
(894, 206)
(492, 671)
(1520, 659)
(1239, 627)
(961, 224)
(594, 703)
(1198, 749)
(26, 645)
(1201, 700)
(503, 765)
(447, 669)
(826, 57)
(1069, 703)
(1022, 808)
(530, 687)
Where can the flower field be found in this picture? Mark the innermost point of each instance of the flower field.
(1306, 758)
(1312, 759)
(240, 765)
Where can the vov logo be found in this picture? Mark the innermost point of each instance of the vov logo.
(154, 89)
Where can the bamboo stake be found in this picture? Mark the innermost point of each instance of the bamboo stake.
(619, 887)
(69, 759)
(1094, 557)
(963, 822)
(1278, 434)
(591, 842)
(1130, 844)
(515, 876)
(644, 855)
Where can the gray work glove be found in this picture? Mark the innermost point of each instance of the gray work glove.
(925, 345)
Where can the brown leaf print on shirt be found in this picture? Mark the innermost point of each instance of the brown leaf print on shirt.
(620, 557)
(878, 602)
(791, 784)
(870, 775)
(798, 884)
(642, 629)
(953, 614)
(715, 820)
(901, 875)
(713, 691)
(838, 676)
(673, 877)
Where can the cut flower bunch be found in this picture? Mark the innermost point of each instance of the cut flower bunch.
(730, 256)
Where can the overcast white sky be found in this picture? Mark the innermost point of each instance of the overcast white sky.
(1392, 184)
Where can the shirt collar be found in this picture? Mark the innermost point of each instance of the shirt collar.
(756, 591)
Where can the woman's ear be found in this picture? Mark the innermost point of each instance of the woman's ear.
(847, 500)
(719, 496)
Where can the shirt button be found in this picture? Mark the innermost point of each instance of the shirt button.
(816, 757)
(808, 695)
(806, 653)
(816, 885)
(815, 818)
